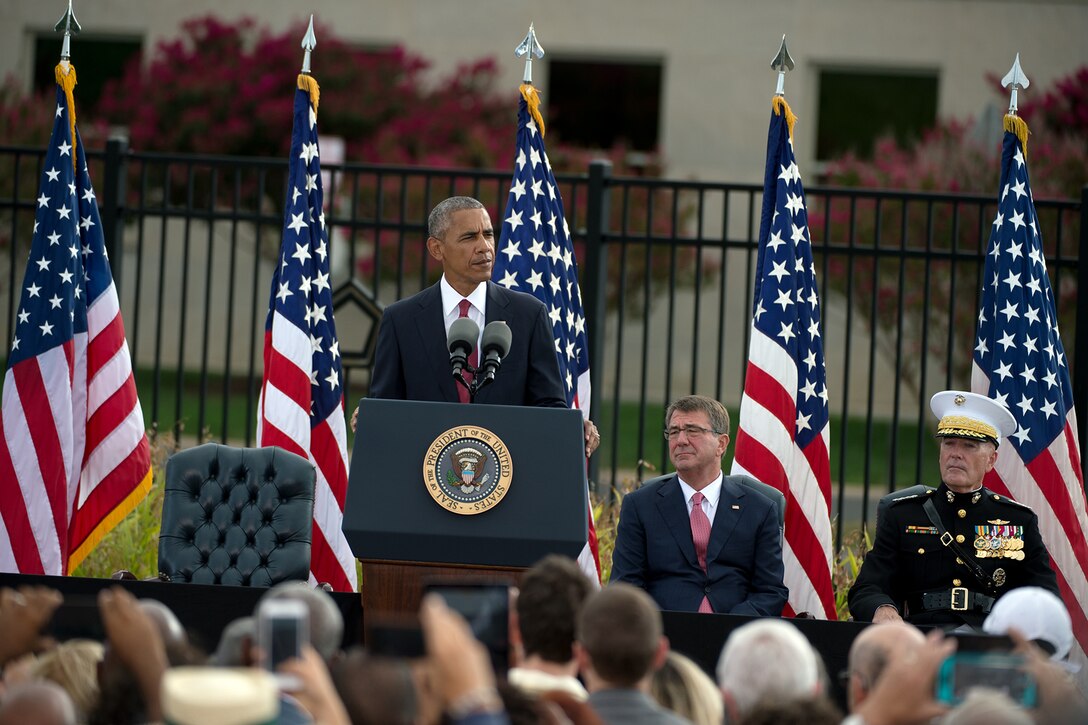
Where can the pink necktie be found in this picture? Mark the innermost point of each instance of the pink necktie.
(474, 358)
(700, 536)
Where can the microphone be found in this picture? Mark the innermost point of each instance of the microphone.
(495, 346)
(461, 341)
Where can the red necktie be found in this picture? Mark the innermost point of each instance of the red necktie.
(474, 358)
(700, 536)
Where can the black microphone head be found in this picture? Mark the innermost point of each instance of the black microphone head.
(497, 337)
(463, 335)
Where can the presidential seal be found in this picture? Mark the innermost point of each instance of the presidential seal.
(467, 470)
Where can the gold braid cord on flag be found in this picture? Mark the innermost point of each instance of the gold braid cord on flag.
(779, 106)
(309, 84)
(66, 79)
(532, 99)
(1019, 127)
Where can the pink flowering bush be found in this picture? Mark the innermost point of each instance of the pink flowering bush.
(227, 88)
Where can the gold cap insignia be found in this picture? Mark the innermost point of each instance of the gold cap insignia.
(959, 400)
(960, 426)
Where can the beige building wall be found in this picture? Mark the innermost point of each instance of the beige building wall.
(715, 53)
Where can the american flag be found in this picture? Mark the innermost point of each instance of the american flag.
(1019, 360)
(302, 397)
(75, 458)
(783, 435)
(536, 255)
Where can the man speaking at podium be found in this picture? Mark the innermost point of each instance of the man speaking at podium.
(412, 360)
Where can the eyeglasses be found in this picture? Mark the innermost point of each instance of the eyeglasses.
(691, 431)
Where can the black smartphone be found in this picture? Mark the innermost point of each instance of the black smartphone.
(395, 637)
(981, 642)
(486, 608)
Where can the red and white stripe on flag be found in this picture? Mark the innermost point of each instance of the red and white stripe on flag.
(784, 429)
(302, 403)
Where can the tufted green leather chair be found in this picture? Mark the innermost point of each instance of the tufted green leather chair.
(237, 516)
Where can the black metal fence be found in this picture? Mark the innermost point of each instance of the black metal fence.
(667, 275)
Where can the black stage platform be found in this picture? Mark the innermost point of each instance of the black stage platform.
(205, 610)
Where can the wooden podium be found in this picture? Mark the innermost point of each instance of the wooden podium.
(516, 474)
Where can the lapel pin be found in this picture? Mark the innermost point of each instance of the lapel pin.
(736, 507)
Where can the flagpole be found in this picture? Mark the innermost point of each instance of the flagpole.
(309, 42)
(782, 63)
(1043, 467)
(1015, 80)
(70, 26)
(529, 48)
(535, 255)
(785, 378)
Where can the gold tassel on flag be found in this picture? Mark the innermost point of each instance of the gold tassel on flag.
(1018, 126)
(779, 106)
(532, 98)
(66, 79)
(309, 84)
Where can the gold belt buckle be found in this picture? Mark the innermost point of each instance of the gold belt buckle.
(959, 599)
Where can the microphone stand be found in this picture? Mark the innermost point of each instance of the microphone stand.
(479, 381)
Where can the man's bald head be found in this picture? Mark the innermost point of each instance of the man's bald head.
(37, 703)
(870, 652)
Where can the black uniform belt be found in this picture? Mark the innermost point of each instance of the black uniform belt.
(957, 599)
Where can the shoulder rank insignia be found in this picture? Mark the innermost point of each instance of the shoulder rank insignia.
(1009, 501)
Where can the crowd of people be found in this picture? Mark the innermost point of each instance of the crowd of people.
(578, 655)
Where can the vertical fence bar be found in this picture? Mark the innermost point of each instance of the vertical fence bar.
(112, 205)
(598, 211)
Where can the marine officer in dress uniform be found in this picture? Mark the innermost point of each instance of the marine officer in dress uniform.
(944, 557)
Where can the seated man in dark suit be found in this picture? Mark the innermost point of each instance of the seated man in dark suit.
(411, 361)
(698, 540)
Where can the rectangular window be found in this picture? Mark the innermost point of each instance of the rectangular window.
(599, 103)
(856, 107)
(97, 60)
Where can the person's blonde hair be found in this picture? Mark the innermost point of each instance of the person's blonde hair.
(74, 666)
(682, 687)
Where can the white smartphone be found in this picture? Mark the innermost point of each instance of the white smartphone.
(283, 627)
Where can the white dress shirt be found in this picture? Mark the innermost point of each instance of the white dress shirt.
(451, 301)
(711, 493)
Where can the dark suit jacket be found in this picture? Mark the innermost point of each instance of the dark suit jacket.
(654, 550)
(411, 361)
